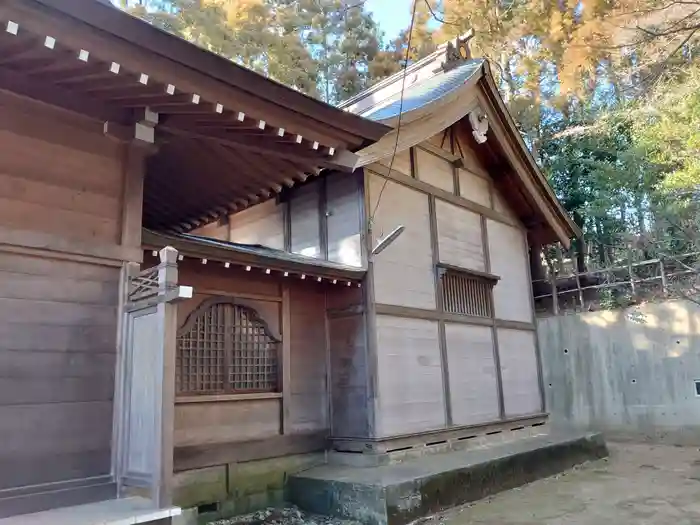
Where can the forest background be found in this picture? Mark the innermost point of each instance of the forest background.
(606, 93)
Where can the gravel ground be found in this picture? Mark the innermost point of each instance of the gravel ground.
(285, 516)
(638, 485)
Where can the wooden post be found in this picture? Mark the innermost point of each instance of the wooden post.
(286, 359)
(163, 474)
(629, 270)
(555, 297)
(664, 284)
(580, 292)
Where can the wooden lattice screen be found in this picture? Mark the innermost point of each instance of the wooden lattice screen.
(465, 294)
(226, 348)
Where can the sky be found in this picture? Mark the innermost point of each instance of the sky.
(392, 15)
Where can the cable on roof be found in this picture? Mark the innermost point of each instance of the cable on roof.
(398, 124)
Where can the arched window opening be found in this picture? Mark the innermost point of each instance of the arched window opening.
(223, 348)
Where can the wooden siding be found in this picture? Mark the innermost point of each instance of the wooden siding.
(402, 162)
(474, 188)
(473, 383)
(261, 224)
(51, 183)
(509, 260)
(349, 375)
(58, 323)
(434, 170)
(403, 273)
(343, 212)
(308, 410)
(410, 385)
(306, 221)
(518, 355)
(459, 236)
(227, 421)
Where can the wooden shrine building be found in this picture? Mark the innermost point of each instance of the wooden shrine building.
(192, 305)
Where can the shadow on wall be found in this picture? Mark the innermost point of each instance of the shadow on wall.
(631, 373)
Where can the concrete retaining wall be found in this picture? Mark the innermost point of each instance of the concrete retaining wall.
(629, 373)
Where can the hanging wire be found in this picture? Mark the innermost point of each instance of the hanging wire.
(438, 18)
(398, 124)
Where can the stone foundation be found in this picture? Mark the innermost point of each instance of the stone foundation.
(237, 488)
(397, 494)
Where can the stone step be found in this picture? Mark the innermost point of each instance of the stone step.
(399, 493)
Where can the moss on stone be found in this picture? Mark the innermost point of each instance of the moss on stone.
(197, 487)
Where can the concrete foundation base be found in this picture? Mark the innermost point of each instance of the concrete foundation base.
(400, 493)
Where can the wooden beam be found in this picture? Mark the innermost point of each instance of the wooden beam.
(140, 47)
(199, 456)
(59, 97)
(287, 151)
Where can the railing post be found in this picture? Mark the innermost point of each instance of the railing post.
(167, 281)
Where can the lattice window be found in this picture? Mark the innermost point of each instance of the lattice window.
(466, 294)
(224, 347)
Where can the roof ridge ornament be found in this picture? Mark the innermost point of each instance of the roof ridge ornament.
(458, 51)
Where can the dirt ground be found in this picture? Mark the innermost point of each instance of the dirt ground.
(637, 485)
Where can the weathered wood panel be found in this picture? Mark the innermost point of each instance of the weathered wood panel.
(143, 350)
(472, 371)
(349, 376)
(261, 224)
(518, 356)
(402, 162)
(435, 170)
(509, 260)
(306, 220)
(410, 385)
(78, 197)
(343, 209)
(459, 236)
(474, 188)
(226, 421)
(46, 442)
(27, 157)
(403, 273)
(308, 410)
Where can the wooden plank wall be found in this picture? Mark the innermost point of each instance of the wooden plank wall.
(204, 423)
(57, 176)
(306, 221)
(58, 323)
(343, 210)
(410, 390)
(473, 376)
(348, 364)
(518, 354)
(403, 275)
(460, 238)
(509, 260)
(308, 401)
(435, 370)
(68, 222)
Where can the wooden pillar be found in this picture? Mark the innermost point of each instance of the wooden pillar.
(146, 403)
(165, 445)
